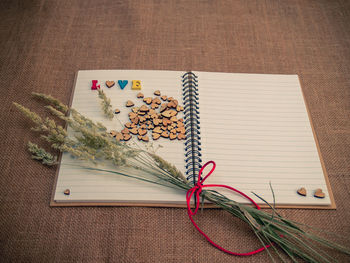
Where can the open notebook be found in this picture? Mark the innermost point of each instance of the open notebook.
(254, 126)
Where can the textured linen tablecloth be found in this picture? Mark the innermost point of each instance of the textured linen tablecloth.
(43, 44)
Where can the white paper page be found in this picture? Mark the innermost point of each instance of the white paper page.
(256, 128)
(88, 185)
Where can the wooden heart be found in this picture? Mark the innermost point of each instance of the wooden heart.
(157, 130)
(165, 134)
(144, 108)
(181, 136)
(145, 138)
(119, 136)
(129, 103)
(148, 100)
(319, 194)
(155, 136)
(142, 132)
(302, 191)
(134, 131)
(126, 137)
(110, 83)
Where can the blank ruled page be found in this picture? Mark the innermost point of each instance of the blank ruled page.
(92, 186)
(256, 128)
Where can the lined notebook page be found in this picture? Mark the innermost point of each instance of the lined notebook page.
(88, 185)
(256, 128)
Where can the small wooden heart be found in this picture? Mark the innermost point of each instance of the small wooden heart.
(302, 191)
(148, 100)
(165, 134)
(126, 137)
(172, 136)
(134, 131)
(125, 131)
(145, 138)
(129, 103)
(319, 194)
(113, 133)
(156, 101)
(154, 106)
(128, 125)
(119, 136)
(67, 192)
(142, 132)
(110, 84)
(156, 122)
(181, 136)
(157, 130)
(155, 136)
(135, 120)
(132, 115)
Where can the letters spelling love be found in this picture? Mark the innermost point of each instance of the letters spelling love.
(135, 84)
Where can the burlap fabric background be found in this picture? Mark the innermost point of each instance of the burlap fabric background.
(43, 43)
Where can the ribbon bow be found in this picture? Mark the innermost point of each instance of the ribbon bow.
(197, 189)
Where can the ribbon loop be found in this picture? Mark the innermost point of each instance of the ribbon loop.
(197, 189)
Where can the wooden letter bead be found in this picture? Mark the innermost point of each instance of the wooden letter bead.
(136, 85)
(122, 83)
(94, 85)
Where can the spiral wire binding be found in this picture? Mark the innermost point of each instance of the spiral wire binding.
(191, 120)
